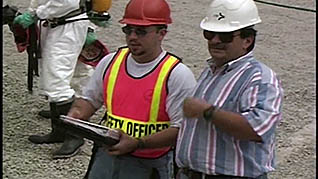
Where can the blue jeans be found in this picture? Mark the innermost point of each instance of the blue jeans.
(127, 166)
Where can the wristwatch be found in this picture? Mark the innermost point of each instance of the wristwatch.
(208, 113)
(141, 143)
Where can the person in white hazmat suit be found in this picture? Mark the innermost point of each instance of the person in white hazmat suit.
(60, 48)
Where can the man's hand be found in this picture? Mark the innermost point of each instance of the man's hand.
(193, 107)
(126, 145)
(26, 19)
(91, 37)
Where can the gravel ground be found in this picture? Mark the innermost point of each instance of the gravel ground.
(286, 42)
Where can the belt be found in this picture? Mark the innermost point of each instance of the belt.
(191, 174)
(52, 23)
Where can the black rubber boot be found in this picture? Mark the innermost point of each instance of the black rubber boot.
(70, 147)
(57, 135)
(45, 113)
(71, 143)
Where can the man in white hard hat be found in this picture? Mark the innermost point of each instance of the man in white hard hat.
(142, 87)
(231, 118)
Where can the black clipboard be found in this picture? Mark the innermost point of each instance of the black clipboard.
(97, 133)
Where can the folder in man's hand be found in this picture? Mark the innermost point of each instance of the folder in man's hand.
(98, 133)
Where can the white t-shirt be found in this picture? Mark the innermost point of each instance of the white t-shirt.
(181, 83)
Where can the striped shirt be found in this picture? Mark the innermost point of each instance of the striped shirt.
(245, 86)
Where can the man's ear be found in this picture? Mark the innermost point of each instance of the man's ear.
(247, 42)
(162, 33)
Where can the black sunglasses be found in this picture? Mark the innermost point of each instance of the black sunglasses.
(225, 37)
(140, 31)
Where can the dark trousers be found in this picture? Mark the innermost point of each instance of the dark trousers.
(104, 166)
(191, 174)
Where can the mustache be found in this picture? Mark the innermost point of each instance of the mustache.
(217, 46)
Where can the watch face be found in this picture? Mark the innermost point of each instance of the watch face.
(207, 114)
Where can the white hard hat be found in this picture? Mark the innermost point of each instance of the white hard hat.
(230, 15)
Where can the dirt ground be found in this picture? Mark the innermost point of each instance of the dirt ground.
(286, 42)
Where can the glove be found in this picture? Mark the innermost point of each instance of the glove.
(90, 37)
(25, 19)
(101, 23)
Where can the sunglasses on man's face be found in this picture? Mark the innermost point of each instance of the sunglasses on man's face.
(139, 31)
(225, 37)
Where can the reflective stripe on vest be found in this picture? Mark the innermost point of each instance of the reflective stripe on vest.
(113, 76)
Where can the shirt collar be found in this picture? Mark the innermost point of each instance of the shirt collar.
(228, 66)
(249, 54)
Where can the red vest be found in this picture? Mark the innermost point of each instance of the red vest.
(138, 105)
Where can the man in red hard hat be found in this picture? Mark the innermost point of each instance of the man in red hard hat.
(142, 87)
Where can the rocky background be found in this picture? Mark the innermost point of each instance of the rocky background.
(286, 42)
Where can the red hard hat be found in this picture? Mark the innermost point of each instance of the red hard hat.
(147, 12)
